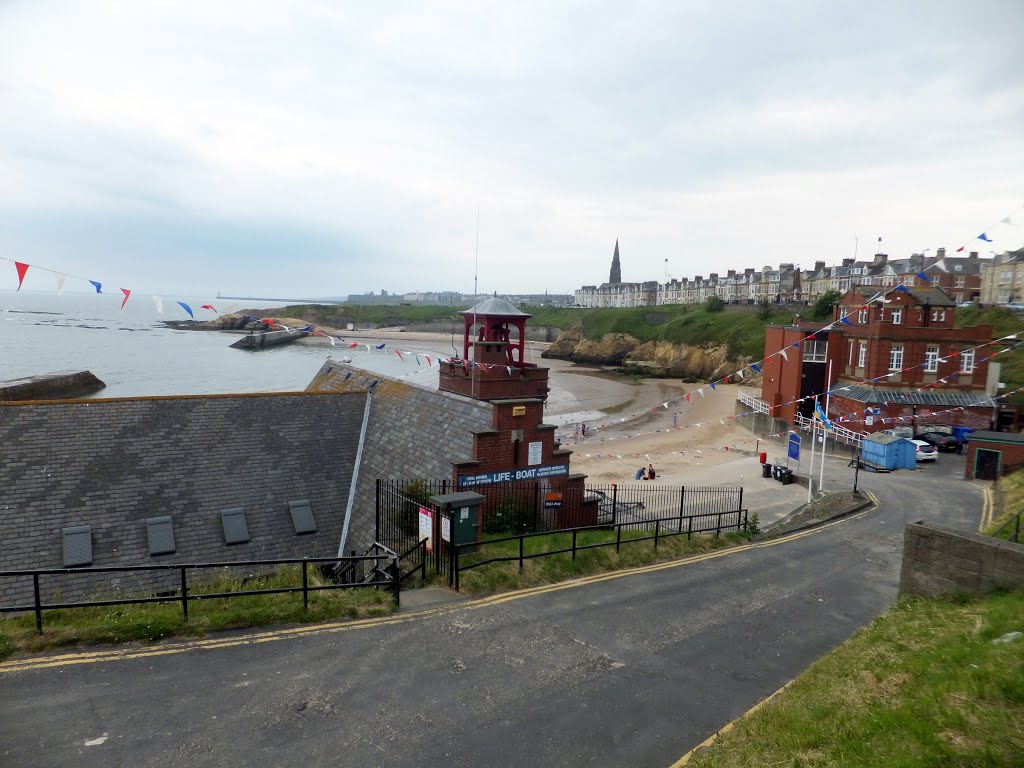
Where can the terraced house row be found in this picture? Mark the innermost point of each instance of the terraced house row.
(959, 276)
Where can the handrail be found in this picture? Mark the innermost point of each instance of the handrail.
(1016, 533)
(760, 406)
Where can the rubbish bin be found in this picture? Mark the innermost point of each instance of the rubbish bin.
(766, 470)
(785, 475)
(763, 457)
(776, 470)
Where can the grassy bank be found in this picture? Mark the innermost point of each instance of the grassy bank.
(498, 577)
(155, 621)
(1003, 322)
(1009, 499)
(923, 685)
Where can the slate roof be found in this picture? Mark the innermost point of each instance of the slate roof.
(933, 397)
(933, 297)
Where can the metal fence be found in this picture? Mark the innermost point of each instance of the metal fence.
(349, 572)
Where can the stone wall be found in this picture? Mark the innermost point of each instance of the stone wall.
(413, 432)
(939, 560)
(111, 464)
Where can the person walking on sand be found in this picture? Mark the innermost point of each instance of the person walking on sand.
(675, 418)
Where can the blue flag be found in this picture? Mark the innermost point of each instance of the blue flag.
(97, 286)
(712, 385)
(901, 288)
(381, 346)
(985, 237)
(756, 367)
(187, 308)
(845, 320)
(924, 277)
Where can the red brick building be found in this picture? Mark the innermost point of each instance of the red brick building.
(895, 358)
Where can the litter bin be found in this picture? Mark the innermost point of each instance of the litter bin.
(766, 470)
(776, 470)
(763, 457)
(785, 475)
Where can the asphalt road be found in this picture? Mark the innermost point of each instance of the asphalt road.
(629, 669)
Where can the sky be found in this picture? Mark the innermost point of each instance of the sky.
(329, 148)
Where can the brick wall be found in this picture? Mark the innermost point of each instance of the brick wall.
(1011, 456)
(926, 415)
(413, 432)
(113, 463)
(939, 560)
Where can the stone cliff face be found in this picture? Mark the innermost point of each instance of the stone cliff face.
(651, 358)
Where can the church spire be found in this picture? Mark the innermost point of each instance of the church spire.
(616, 274)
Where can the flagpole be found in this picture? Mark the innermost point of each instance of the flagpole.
(824, 434)
(810, 471)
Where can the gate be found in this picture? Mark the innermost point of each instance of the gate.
(398, 520)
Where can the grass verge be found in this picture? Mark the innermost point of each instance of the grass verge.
(498, 577)
(923, 685)
(152, 622)
(1009, 496)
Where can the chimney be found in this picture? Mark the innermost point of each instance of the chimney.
(819, 266)
(972, 255)
(880, 259)
(940, 253)
(713, 277)
(731, 273)
(847, 262)
(748, 272)
(698, 279)
(684, 280)
(766, 268)
(784, 267)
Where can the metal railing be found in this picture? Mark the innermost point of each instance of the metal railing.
(839, 432)
(759, 406)
(664, 527)
(1015, 535)
(388, 576)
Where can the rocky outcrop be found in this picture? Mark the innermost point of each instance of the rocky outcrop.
(51, 386)
(651, 358)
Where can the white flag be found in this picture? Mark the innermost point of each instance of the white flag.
(60, 283)
(159, 304)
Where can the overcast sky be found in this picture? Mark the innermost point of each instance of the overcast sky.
(325, 148)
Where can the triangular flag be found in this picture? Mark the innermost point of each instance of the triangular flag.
(418, 360)
(209, 307)
(701, 393)
(845, 320)
(60, 283)
(97, 286)
(756, 368)
(184, 306)
(740, 373)
(958, 250)
(399, 353)
(159, 304)
(985, 237)
(367, 347)
(1007, 220)
(784, 354)
(353, 345)
(508, 368)
(712, 385)
(924, 277)
(22, 269)
(379, 346)
(900, 288)
(428, 360)
(127, 295)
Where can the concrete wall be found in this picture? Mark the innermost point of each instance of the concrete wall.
(113, 463)
(413, 432)
(939, 560)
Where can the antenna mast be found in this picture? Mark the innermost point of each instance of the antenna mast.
(476, 275)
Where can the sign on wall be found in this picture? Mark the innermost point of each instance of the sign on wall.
(446, 529)
(794, 447)
(535, 455)
(511, 475)
(427, 527)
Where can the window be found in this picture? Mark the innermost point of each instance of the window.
(938, 315)
(931, 360)
(862, 358)
(896, 357)
(960, 282)
(235, 529)
(815, 351)
(77, 545)
(161, 535)
(302, 516)
(862, 316)
(897, 316)
(967, 361)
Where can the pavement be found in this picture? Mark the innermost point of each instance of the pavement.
(625, 668)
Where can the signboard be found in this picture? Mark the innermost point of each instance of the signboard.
(446, 529)
(553, 500)
(794, 447)
(511, 475)
(518, 410)
(427, 527)
(535, 454)
(869, 420)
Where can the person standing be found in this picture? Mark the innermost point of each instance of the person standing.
(675, 418)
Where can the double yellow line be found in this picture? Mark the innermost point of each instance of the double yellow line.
(987, 510)
(170, 649)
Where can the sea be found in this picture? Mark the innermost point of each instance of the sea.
(136, 354)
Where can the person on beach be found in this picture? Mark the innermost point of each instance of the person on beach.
(650, 471)
(675, 419)
(583, 429)
(641, 474)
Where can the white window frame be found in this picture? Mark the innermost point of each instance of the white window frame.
(862, 316)
(967, 361)
(812, 353)
(960, 282)
(931, 359)
(862, 355)
(938, 315)
(896, 313)
(896, 357)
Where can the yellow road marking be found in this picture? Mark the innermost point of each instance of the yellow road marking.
(94, 657)
(727, 727)
(987, 506)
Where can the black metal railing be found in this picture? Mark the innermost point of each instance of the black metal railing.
(663, 527)
(386, 576)
(1004, 531)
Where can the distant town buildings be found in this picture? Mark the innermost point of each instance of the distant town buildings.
(456, 299)
(1002, 279)
(959, 276)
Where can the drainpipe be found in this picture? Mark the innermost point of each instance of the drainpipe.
(355, 476)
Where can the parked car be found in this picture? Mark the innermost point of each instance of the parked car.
(940, 440)
(899, 432)
(925, 451)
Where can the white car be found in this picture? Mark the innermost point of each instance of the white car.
(925, 451)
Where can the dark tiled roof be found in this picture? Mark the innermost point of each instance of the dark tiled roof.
(933, 297)
(1001, 437)
(495, 306)
(933, 397)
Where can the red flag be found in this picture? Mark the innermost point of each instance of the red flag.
(428, 360)
(687, 397)
(960, 248)
(127, 294)
(270, 322)
(399, 355)
(22, 269)
(209, 307)
(352, 345)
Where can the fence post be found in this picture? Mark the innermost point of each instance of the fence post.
(615, 511)
(746, 515)
(520, 554)
(689, 527)
(718, 524)
(453, 558)
(682, 507)
(305, 585)
(739, 506)
(536, 503)
(456, 549)
(574, 545)
(618, 537)
(376, 508)
(396, 585)
(39, 610)
(184, 593)
(1016, 533)
(657, 532)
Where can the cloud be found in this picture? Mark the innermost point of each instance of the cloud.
(361, 140)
